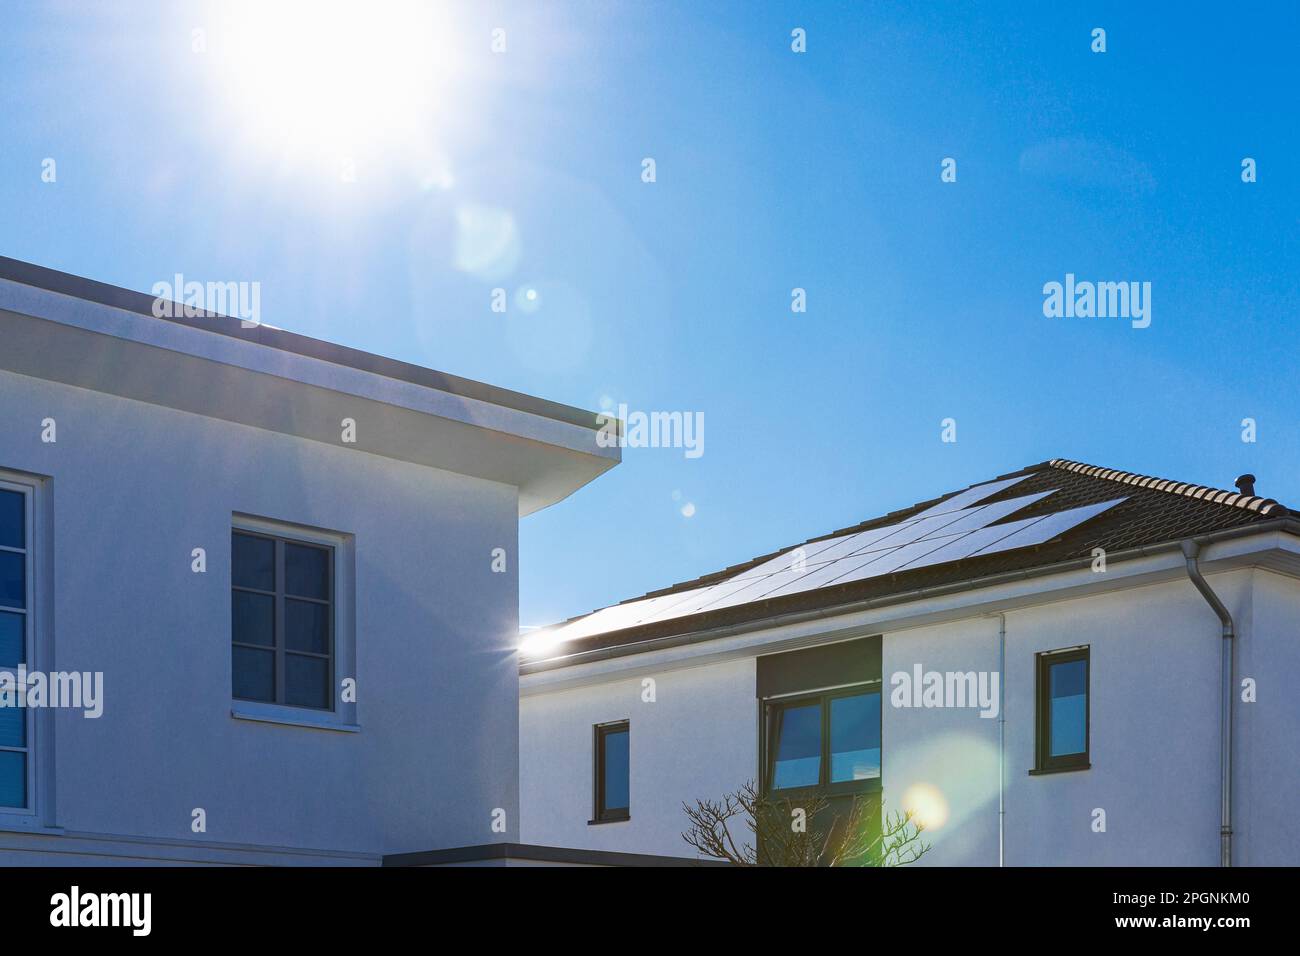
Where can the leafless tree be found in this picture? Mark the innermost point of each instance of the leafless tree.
(809, 829)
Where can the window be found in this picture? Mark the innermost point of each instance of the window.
(282, 620)
(612, 772)
(16, 641)
(1062, 711)
(829, 740)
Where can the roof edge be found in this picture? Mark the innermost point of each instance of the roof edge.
(141, 303)
(1235, 499)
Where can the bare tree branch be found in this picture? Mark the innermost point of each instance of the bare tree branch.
(808, 829)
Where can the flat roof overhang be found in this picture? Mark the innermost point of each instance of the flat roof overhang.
(90, 335)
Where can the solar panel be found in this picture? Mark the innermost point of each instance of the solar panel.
(972, 519)
(971, 496)
(914, 530)
(849, 568)
(851, 543)
(1050, 526)
(961, 546)
(756, 589)
(955, 529)
(811, 553)
(703, 597)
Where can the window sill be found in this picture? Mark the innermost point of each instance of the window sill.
(19, 824)
(291, 717)
(600, 823)
(1042, 772)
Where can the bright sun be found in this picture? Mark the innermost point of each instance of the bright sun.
(330, 79)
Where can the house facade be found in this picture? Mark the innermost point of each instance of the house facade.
(281, 574)
(1034, 666)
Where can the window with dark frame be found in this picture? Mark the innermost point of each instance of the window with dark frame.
(282, 621)
(15, 641)
(828, 740)
(612, 772)
(1063, 711)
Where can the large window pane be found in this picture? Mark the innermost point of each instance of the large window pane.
(799, 747)
(13, 644)
(252, 562)
(253, 674)
(253, 618)
(13, 726)
(12, 520)
(617, 767)
(306, 571)
(13, 779)
(13, 579)
(1069, 715)
(307, 626)
(855, 737)
(306, 681)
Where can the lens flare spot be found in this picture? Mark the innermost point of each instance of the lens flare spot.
(487, 241)
(928, 804)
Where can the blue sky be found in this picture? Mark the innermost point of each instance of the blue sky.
(775, 170)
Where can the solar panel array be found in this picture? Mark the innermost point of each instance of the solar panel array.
(959, 527)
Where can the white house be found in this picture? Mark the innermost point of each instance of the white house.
(1065, 665)
(275, 580)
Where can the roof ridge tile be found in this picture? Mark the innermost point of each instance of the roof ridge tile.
(1235, 499)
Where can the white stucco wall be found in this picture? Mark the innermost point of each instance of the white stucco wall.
(1267, 733)
(696, 740)
(134, 488)
(1154, 736)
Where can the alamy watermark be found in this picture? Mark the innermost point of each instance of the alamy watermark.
(922, 688)
(75, 690)
(1102, 300)
(180, 299)
(652, 430)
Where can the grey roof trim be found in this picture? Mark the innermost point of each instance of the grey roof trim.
(539, 854)
(90, 290)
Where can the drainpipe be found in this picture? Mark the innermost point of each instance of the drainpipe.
(1002, 735)
(1190, 551)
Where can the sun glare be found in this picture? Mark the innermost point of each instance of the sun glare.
(329, 78)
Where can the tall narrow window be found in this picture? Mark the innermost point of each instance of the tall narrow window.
(282, 621)
(1063, 710)
(15, 641)
(612, 772)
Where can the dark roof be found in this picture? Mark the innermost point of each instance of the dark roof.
(1153, 511)
(89, 290)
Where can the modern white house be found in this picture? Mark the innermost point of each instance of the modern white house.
(258, 592)
(1067, 665)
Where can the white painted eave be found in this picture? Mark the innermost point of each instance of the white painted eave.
(66, 339)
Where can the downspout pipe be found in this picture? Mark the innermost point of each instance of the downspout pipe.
(1190, 551)
(1002, 737)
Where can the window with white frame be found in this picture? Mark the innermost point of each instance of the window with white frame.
(16, 642)
(283, 620)
(293, 647)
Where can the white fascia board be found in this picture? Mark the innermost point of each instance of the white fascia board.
(91, 345)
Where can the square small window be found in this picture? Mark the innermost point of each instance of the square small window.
(282, 621)
(1062, 711)
(612, 772)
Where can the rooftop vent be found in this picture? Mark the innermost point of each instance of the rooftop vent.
(1246, 485)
